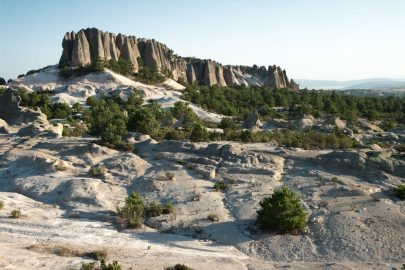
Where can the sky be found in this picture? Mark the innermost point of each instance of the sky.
(311, 39)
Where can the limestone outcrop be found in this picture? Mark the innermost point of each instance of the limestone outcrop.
(85, 46)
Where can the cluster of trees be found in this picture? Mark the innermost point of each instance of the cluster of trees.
(149, 75)
(111, 117)
(41, 98)
(240, 100)
(121, 66)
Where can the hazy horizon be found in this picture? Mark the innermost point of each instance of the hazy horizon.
(312, 40)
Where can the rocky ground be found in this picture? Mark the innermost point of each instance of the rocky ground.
(354, 222)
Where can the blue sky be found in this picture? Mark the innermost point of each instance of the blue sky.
(318, 39)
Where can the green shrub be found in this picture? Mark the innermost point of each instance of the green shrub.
(131, 215)
(182, 162)
(282, 211)
(1, 205)
(220, 185)
(154, 210)
(168, 208)
(334, 179)
(16, 213)
(103, 266)
(400, 191)
(178, 267)
(97, 170)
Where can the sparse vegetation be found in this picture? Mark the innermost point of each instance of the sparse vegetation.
(178, 267)
(68, 251)
(16, 213)
(282, 211)
(353, 206)
(1, 205)
(213, 217)
(61, 166)
(100, 254)
(220, 185)
(168, 208)
(97, 170)
(334, 180)
(103, 266)
(169, 175)
(400, 191)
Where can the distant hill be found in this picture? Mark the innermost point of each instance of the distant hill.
(374, 84)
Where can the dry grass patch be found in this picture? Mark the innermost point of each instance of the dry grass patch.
(67, 251)
(100, 254)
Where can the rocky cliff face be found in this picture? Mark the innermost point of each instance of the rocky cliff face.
(83, 47)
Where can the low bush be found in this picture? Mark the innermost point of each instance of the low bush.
(131, 215)
(1, 205)
(400, 191)
(168, 208)
(16, 213)
(282, 211)
(213, 217)
(97, 170)
(102, 266)
(220, 185)
(154, 210)
(178, 267)
(100, 254)
(170, 175)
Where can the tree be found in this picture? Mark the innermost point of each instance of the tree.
(91, 101)
(77, 108)
(98, 64)
(227, 123)
(140, 62)
(132, 213)
(9, 80)
(2, 81)
(199, 133)
(143, 121)
(135, 98)
(282, 211)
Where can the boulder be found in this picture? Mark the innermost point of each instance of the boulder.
(306, 121)
(252, 120)
(335, 121)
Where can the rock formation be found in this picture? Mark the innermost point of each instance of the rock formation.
(252, 120)
(85, 46)
(13, 114)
